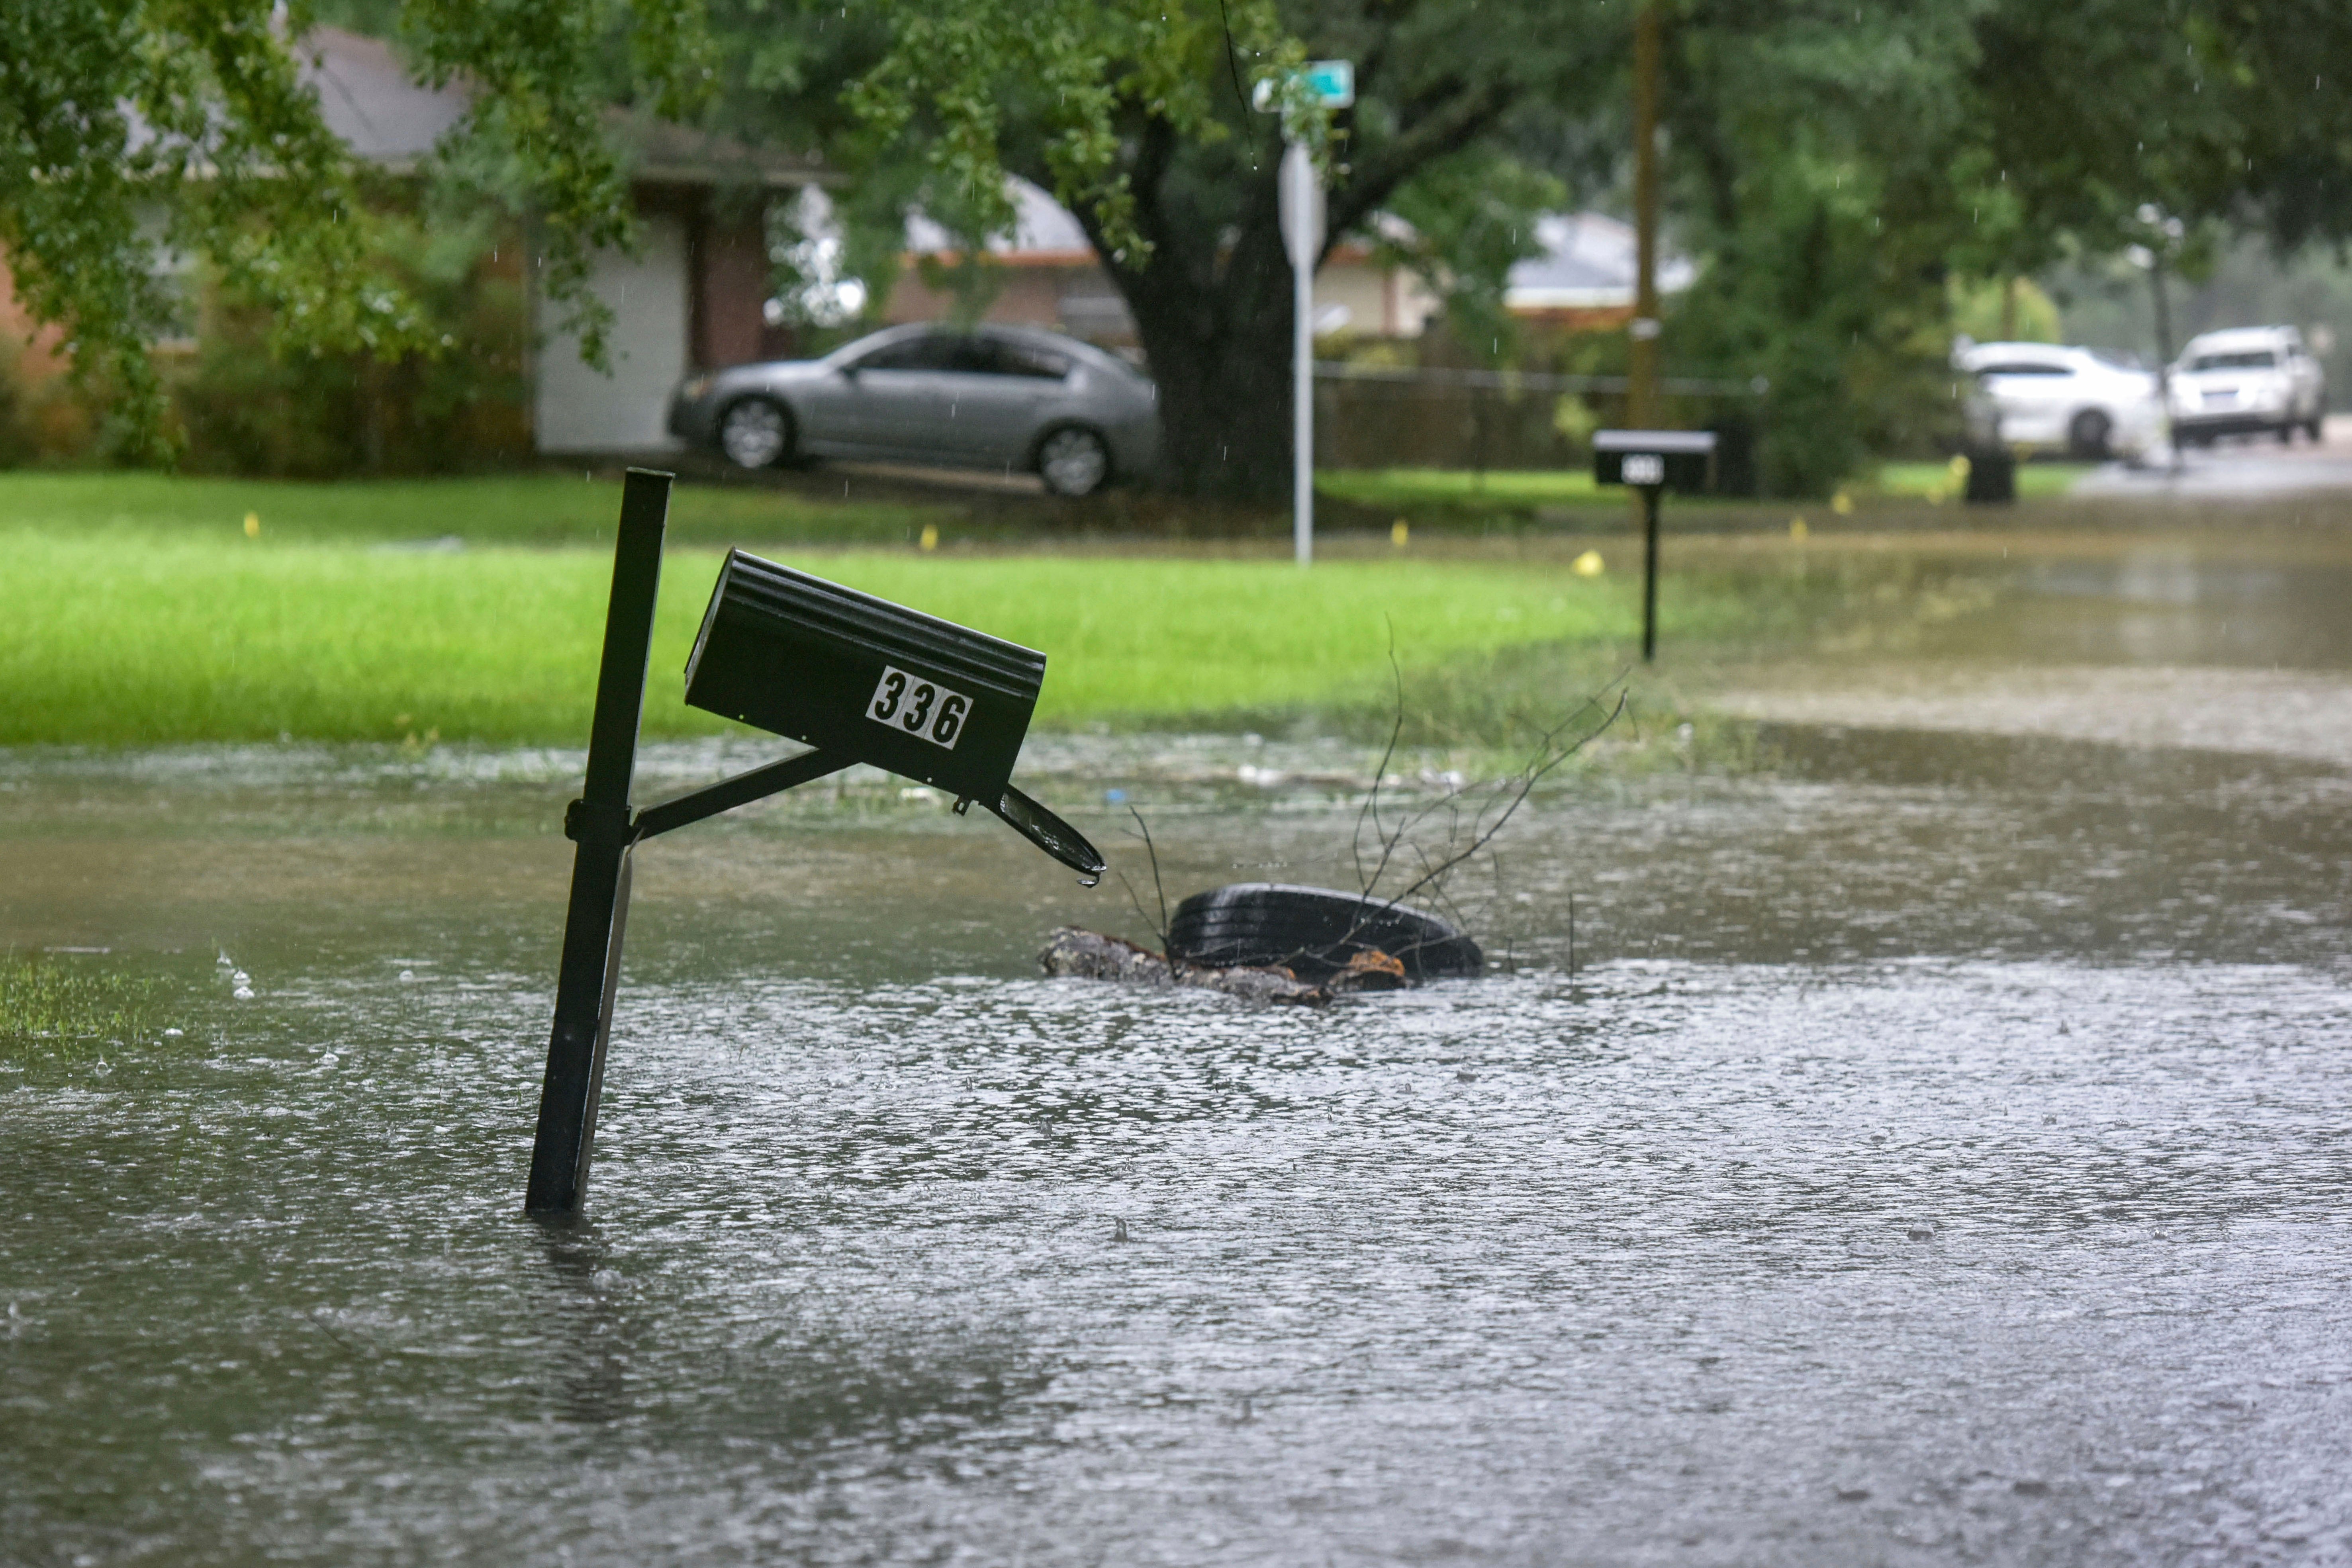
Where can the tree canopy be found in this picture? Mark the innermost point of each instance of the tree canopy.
(1831, 165)
(134, 128)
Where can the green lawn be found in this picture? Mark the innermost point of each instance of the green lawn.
(518, 509)
(1460, 488)
(1521, 489)
(1938, 481)
(135, 611)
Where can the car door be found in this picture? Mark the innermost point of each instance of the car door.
(1002, 393)
(2031, 395)
(881, 404)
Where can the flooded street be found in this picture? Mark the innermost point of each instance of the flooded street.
(1921, 1144)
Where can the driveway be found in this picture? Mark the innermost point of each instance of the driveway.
(2244, 466)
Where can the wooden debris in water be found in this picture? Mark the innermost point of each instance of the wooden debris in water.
(1091, 955)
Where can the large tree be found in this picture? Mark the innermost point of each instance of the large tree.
(1832, 162)
(1139, 114)
(129, 129)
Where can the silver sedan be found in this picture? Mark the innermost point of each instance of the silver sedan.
(991, 398)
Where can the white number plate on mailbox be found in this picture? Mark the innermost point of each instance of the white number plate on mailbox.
(1644, 468)
(919, 706)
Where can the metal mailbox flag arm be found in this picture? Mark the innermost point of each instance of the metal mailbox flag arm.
(858, 678)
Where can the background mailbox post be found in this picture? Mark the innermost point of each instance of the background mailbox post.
(858, 678)
(1650, 461)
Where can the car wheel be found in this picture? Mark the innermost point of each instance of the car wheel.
(2087, 433)
(755, 432)
(2316, 428)
(2286, 434)
(1072, 462)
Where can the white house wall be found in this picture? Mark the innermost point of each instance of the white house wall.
(577, 409)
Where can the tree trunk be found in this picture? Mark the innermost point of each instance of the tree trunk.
(1219, 348)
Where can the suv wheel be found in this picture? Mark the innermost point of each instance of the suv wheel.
(2087, 433)
(755, 432)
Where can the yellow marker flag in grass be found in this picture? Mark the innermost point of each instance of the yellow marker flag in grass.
(253, 525)
(1588, 564)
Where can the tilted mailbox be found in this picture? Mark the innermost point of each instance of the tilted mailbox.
(1653, 461)
(857, 679)
(919, 696)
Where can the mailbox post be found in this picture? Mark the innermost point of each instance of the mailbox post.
(1650, 461)
(855, 677)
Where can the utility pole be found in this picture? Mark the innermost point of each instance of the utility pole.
(1642, 411)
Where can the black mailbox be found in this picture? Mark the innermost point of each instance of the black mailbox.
(1680, 460)
(1652, 462)
(858, 678)
(845, 672)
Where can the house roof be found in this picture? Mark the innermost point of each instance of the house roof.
(1587, 262)
(370, 99)
(1045, 232)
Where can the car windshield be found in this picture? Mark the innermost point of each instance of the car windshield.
(2244, 359)
(2026, 367)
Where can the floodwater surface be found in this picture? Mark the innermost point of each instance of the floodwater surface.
(1925, 1149)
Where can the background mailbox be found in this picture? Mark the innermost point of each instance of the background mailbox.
(1680, 460)
(845, 672)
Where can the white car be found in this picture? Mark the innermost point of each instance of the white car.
(2247, 380)
(2084, 402)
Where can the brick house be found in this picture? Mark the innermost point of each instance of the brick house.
(692, 297)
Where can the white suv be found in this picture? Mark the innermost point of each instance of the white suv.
(2050, 396)
(2246, 381)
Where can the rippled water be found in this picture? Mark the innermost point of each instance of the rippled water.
(1936, 1154)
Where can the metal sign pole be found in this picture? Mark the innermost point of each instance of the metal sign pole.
(1650, 572)
(1302, 233)
(599, 824)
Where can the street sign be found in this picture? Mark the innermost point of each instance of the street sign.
(1298, 189)
(1651, 462)
(1333, 83)
(858, 678)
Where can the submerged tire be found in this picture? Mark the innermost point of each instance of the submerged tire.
(1314, 931)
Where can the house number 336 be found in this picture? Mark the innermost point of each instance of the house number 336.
(918, 707)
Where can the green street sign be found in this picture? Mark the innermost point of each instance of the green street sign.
(1333, 83)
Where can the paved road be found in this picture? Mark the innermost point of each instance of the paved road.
(2253, 467)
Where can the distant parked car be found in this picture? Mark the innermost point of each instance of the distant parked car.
(2080, 401)
(990, 397)
(2247, 380)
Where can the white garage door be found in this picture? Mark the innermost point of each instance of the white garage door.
(583, 410)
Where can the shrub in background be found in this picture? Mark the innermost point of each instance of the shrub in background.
(243, 406)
